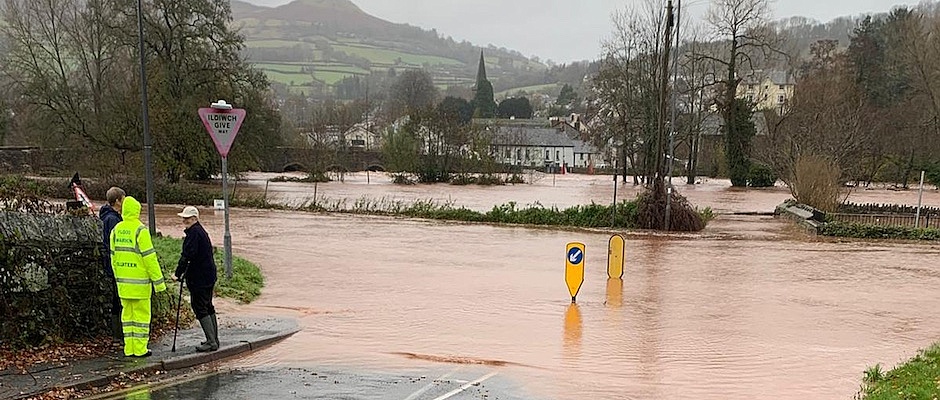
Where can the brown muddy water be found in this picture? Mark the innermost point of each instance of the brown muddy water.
(748, 309)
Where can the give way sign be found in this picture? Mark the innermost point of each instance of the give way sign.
(222, 125)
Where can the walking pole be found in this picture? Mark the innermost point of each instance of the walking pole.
(179, 303)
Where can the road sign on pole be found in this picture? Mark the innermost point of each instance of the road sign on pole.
(222, 122)
(574, 268)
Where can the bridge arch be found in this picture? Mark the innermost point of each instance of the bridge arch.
(294, 167)
(376, 168)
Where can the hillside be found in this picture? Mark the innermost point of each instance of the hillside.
(332, 48)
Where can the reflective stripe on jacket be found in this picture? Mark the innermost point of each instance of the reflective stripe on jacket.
(133, 258)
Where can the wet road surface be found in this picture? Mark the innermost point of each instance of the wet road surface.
(748, 309)
(303, 383)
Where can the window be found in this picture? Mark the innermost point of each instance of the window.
(750, 87)
(358, 143)
(557, 155)
(518, 154)
(781, 87)
(780, 99)
(547, 154)
(508, 153)
(582, 156)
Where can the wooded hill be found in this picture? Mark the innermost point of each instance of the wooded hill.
(333, 48)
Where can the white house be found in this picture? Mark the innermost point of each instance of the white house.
(541, 147)
(360, 137)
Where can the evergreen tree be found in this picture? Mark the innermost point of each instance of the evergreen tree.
(740, 132)
(483, 104)
(567, 96)
(518, 107)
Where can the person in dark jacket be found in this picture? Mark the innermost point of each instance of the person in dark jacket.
(110, 215)
(197, 265)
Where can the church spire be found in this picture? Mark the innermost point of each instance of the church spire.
(481, 71)
(483, 103)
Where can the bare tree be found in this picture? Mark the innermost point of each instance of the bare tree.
(627, 88)
(828, 117)
(65, 60)
(696, 97)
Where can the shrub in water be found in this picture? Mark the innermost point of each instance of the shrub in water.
(761, 175)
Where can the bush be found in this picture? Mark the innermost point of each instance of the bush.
(490, 180)
(402, 179)
(463, 180)
(310, 178)
(761, 175)
(163, 193)
(815, 182)
(864, 231)
(651, 211)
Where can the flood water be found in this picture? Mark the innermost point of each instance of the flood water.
(750, 308)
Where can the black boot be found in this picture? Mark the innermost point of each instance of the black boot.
(215, 326)
(215, 330)
(212, 343)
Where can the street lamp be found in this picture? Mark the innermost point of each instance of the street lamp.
(148, 148)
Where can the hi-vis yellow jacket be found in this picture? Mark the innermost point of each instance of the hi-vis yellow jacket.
(133, 257)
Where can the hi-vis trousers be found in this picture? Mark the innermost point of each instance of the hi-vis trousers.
(136, 318)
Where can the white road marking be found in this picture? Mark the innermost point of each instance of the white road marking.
(421, 391)
(467, 386)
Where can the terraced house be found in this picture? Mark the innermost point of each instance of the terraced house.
(535, 144)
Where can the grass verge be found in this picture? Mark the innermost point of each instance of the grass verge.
(915, 379)
(245, 285)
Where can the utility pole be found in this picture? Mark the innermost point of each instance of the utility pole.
(672, 122)
(663, 90)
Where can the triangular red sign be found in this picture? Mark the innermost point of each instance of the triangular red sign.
(222, 125)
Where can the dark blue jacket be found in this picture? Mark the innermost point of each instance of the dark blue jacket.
(109, 219)
(197, 261)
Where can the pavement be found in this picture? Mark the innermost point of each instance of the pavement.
(238, 336)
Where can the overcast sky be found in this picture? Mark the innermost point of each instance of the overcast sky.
(561, 30)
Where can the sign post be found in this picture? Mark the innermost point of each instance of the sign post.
(222, 122)
(574, 268)
(615, 256)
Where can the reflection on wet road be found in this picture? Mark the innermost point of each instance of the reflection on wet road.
(748, 309)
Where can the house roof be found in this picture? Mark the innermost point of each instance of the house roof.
(777, 77)
(539, 137)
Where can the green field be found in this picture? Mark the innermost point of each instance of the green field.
(275, 43)
(331, 77)
(346, 69)
(391, 57)
(547, 88)
(287, 79)
(283, 68)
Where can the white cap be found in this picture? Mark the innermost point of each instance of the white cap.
(189, 211)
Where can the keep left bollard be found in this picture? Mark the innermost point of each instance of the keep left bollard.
(574, 268)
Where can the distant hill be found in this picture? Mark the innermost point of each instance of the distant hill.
(332, 48)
